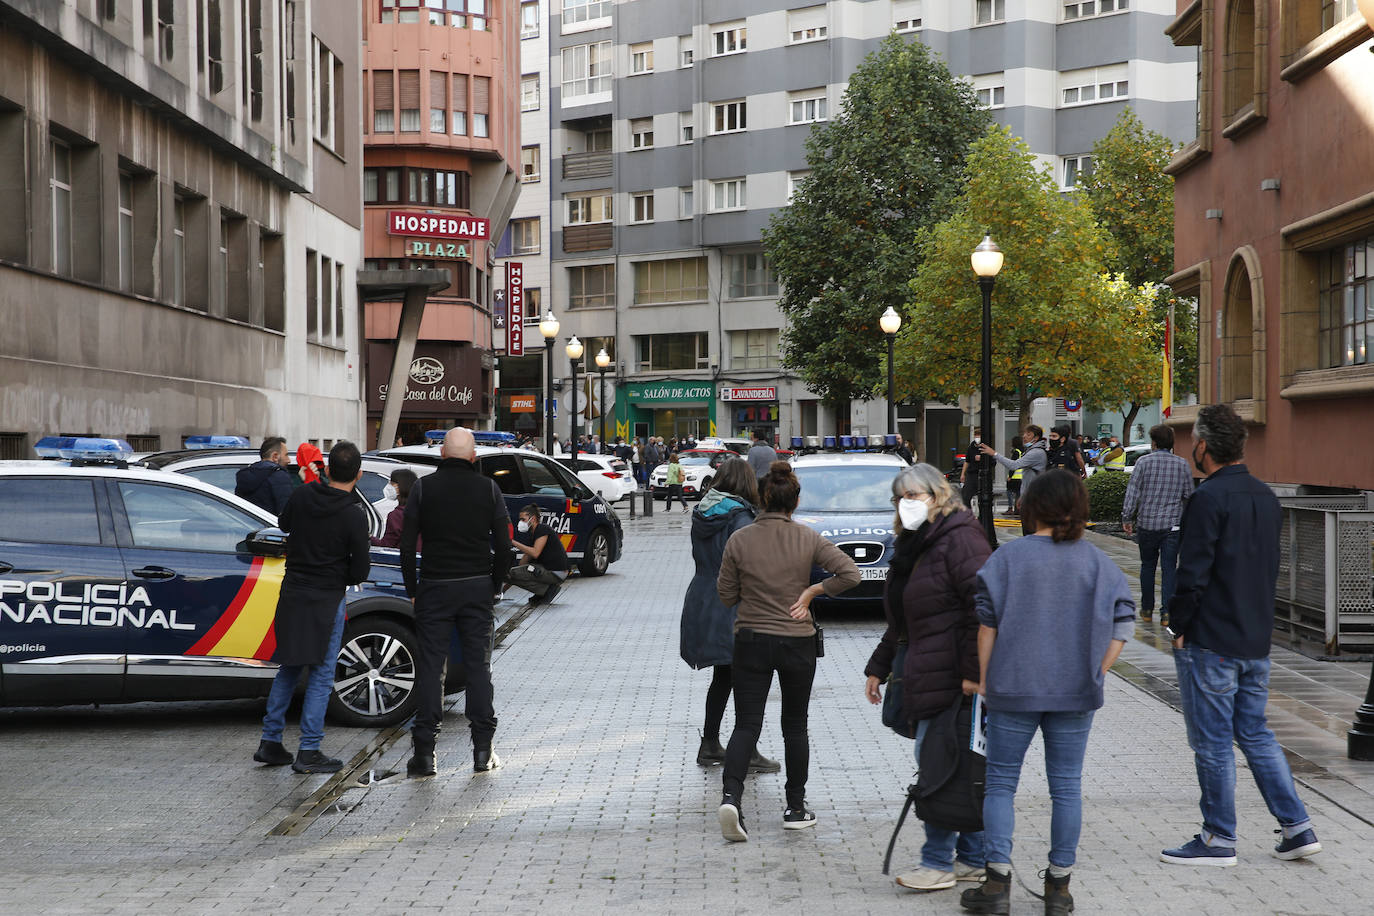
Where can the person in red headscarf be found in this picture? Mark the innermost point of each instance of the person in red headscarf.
(310, 461)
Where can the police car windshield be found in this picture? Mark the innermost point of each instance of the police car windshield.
(845, 489)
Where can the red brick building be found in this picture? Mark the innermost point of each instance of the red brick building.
(1274, 232)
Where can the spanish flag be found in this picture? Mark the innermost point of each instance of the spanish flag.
(1167, 391)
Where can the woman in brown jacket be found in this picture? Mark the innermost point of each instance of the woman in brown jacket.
(766, 572)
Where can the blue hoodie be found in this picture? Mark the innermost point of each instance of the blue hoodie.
(708, 626)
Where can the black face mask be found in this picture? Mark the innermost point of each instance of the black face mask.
(1196, 462)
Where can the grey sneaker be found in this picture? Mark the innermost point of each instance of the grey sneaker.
(926, 879)
(972, 873)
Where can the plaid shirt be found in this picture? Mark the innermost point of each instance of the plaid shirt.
(1160, 484)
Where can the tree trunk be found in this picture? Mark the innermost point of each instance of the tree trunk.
(1129, 416)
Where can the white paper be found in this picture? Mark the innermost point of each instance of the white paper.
(978, 734)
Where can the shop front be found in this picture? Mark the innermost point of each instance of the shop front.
(752, 411)
(668, 408)
(444, 389)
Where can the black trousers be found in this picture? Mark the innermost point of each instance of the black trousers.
(441, 606)
(757, 656)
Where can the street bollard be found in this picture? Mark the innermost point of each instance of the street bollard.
(648, 502)
(632, 505)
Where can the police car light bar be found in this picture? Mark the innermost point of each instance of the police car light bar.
(205, 442)
(435, 436)
(51, 446)
(808, 445)
(89, 450)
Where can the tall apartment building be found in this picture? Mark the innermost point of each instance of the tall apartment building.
(677, 129)
(441, 144)
(181, 183)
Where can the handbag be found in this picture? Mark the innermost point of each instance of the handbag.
(950, 785)
(820, 633)
(894, 710)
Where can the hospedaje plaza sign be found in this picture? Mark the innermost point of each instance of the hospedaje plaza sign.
(636, 403)
(443, 235)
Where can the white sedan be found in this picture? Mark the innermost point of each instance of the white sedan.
(698, 470)
(608, 476)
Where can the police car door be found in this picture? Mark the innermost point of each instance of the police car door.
(62, 635)
(559, 496)
(207, 603)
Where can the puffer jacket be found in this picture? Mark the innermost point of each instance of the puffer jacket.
(708, 626)
(935, 613)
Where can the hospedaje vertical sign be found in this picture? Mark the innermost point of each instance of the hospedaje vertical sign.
(515, 308)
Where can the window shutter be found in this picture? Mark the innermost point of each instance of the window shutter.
(460, 92)
(481, 95)
(383, 90)
(410, 89)
(438, 86)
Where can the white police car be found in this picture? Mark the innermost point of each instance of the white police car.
(847, 497)
(126, 584)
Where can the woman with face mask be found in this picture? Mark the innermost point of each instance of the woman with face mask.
(542, 564)
(402, 479)
(932, 579)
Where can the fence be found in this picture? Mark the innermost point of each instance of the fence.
(1325, 592)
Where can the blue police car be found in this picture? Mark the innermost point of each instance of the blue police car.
(126, 584)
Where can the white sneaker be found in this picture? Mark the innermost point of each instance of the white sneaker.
(964, 872)
(926, 879)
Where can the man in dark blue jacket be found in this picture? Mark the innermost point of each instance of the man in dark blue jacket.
(266, 482)
(1221, 618)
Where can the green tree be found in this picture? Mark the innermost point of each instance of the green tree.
(890, 163)
(1058, 320)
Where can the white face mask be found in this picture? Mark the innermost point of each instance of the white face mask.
(913, 512)
(388, 492)
(977, 440)
(523, 526)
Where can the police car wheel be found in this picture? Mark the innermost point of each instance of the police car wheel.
(374, 679)
(597, 558)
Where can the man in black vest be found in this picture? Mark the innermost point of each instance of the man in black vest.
(462, 518)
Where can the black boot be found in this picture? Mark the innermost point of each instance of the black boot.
(1058, 900)
(316, 761)
(710, 753)
(422, 762)
(761, 764)
(272, 753)
(992, 896)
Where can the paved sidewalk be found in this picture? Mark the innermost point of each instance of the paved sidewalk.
(600, 806)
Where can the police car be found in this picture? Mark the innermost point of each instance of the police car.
(127, 584)
(586, 524)
(847, 497)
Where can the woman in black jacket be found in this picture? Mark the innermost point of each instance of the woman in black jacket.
(708, 626)
(929, 602)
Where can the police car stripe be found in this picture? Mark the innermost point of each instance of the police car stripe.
(245, 628)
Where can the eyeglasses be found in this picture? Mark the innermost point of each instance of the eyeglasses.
(898, 499)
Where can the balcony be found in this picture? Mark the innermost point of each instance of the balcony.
(587, 165)
(596, 237)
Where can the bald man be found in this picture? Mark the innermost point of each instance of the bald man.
(462, 518)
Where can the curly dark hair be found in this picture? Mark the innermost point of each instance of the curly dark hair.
(1057, 500)
(1224, 432)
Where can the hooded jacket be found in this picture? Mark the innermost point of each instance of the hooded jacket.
(708, 626)
(264, 483)
(935, 613)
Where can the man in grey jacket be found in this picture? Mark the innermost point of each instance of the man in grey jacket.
(761, 457)
(1032, 462)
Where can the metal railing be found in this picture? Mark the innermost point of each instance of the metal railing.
(1325, 591)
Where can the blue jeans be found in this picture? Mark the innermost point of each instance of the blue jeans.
(1157, 545)
(1223, 705)
(1066, 740)
(319, 684)
(941, 844)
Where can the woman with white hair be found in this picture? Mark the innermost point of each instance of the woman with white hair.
(929, 602)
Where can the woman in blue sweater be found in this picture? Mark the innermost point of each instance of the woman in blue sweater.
(1054, 614)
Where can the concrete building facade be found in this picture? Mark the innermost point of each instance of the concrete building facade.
(677, 129)
(181, 183)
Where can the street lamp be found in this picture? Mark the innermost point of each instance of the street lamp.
(574, 351)
(548, 326)
(987, 263)
(603, 362)
(890, 323)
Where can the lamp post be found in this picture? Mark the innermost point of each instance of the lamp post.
(987, 263)
(574, 351)
(603, 362)
(548, 326)
(890, 323)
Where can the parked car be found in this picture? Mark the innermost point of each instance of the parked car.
(698, 470)
(608, 475)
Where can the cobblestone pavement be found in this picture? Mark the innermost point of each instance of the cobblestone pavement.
(600, 806)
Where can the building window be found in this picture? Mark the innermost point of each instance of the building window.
(438, 102)
(754, 349)
(586, 69)
(985, 11)
(731, 38)
(578, 11)
(328, 71)
(529, 164)
(685, 52)
(684, 203)
(1236, 337)
(751, 275)
(383, 102)
(524, 235)
(481, 106)
(529, 92)
(728, 117)
(179, 250)
(1075, 169)
(590, 208)
(1238, 70)
(409, 92)
(60, 188)
(1187, 32)
(727, 195)
(591, 287)
(807, 106)
(1094, 8)
(642, 57)
(460, 105)
(1346, 296)
(642, 133)
(529, 19)
(807, 24)
(432, 187)
(456, 13)
(669, 352)
(643, 206)
(166, 27)
(794, 182)
(906, 15)
(211, 46)
(533, 297)
(673, 280)
(990, 91)
(126, 232)
(1086, 87)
